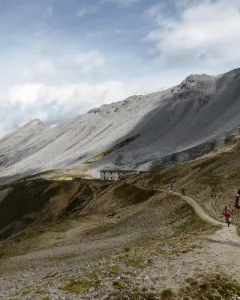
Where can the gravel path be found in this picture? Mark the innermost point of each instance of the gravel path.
(226, 235)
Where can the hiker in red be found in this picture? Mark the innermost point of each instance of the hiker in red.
(227, 214)
(237, 200)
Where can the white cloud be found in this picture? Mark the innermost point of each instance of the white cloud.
(53, 104)
(155, 11)
(44, 68)
(122, 3)
(206, 33)
(64, 68)
(86, 10)
(90, 61)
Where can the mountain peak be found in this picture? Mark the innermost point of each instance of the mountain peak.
(33, 123)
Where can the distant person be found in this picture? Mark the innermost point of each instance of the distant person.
(171, 187)
(227, 214)
(237, 200)
(183, 191)
(226, 208)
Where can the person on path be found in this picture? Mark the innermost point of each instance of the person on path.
(226, 208)
(227, 214)
(237, 200)
(171, 187)
(183, 191)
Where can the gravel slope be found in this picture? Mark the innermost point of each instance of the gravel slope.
(131, 133)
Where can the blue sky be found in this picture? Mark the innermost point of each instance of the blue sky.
(60, 58)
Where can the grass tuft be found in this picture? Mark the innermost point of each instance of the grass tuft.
(79, 286)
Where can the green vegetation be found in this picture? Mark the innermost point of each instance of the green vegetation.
(130, 195)
(28, 198)
(69, 176)
(211, 287)
(168, 295)
(202, 164)
(136, 262)
(98, 156)
(26, 292)
(132, 294)
(79, 286)
(118, 285)
(213, 181)
(115, 270)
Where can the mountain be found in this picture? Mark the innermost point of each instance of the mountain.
(132, 134)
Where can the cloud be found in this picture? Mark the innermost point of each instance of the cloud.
(155, 11)
(87, 10)
(122, 3)
(54, 104)
(204, 32)
(44, 69)
(89, 62)
(56, 69)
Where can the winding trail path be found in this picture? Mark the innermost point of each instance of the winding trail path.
(225, 235)
(200, 211)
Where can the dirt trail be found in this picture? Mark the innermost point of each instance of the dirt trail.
(225, 236)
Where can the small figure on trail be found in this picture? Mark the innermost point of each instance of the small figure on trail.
(237, 200)
(226, 208)
(183, 191)
(171, 187)
(227, 214)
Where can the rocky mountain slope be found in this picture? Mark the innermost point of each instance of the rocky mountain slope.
(132, 133)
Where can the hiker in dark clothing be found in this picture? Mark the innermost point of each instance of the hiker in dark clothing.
(183, 191)
(237, 200)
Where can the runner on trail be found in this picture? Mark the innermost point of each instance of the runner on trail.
(227, 214)
(237, 200)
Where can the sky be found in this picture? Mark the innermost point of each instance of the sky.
(60, 58)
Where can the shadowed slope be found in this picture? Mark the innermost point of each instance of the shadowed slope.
(135, 132)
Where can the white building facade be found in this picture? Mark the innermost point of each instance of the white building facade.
(114, 174)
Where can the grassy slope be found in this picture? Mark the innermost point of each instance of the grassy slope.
(157, 223)
(39, 200)
(141, 213)
(212, 181)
